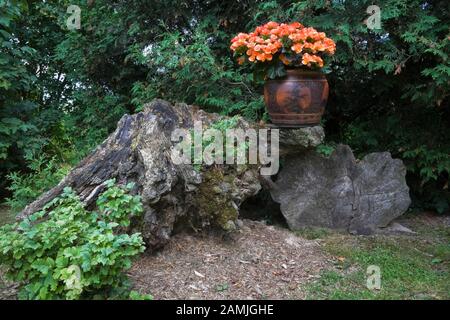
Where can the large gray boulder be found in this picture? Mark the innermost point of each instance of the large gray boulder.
(173, 195)
(340, 192)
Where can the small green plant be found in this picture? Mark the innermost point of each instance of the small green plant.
(26, 187)
(117, 205)
(222, 287)
(325, 149)
(134, 295)
(67, 252)
(221, 125)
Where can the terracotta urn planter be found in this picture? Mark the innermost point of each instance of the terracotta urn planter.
(298, 99)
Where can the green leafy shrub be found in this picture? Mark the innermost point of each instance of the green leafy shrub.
(26, 187)
(67, 252)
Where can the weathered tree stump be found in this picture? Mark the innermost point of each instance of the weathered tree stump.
(173, 195)
(337, 192)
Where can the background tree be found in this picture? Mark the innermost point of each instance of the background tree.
(63, 90)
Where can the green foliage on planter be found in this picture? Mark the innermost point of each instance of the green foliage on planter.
(67, 252)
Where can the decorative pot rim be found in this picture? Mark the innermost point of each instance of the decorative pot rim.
(301, 70)
(300, 73)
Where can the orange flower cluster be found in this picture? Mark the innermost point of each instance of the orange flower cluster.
(270, 39)
(308, 59)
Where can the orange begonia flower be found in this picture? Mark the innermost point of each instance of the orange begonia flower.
(268, 40)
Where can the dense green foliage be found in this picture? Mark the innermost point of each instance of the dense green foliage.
(66, 252)
(26, 187)
(62, 91)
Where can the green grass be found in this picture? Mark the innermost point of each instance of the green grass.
(312, 233)
(412, 267)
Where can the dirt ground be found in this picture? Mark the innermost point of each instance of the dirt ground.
(260, 262)
(270, 262)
